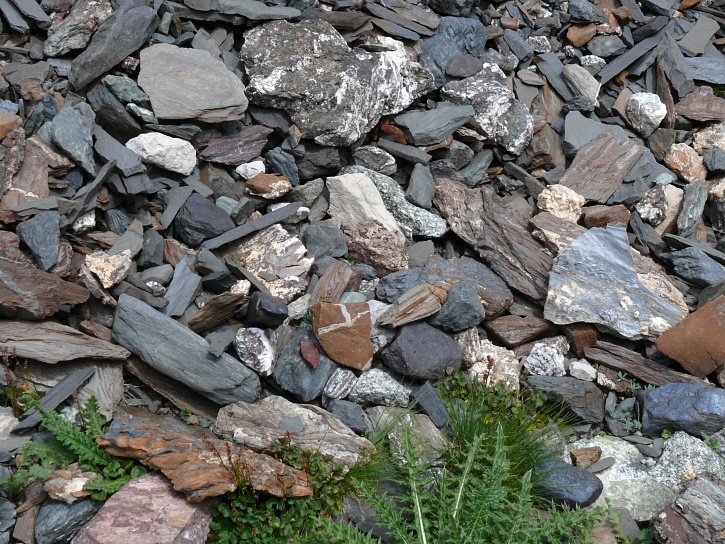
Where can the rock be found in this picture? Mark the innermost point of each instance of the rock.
(580, 81)
(421, 187)
(340, 383)
(349, 414)
(370, 89)
(150, 509)
(199, 220)
(696, 267)
(378, 387)
(682, 407)
(710, 137)
(599, 262)
(582, 370)
(190, 84)
(237, 148)
(294, 374)
(375, 158)
(124, 32)
(459, 8)
(72, 131)
(112, 116)
(693, 204)
(701, 105)
(566, 484)
(324, 238)
(545, 360)
(461, 310)
(488, 363)
(75, 30)
(683, 458)
(250, 169)
(172, 349)
(164, 151)
(455, 36)
(583, 399)
(499, 234)
(419, 302)
(652, 207)
(422, 352)
(645, 111)
(499, 116)
(42, 235)
(695, 342)
(606, 46)
(259, 425)
(60, 522)
(343, 331)
(562, 202)
(426, 400)
(705, 69)
(354, 200)
(255, 350)
(714, 161)
(433, 126)
(126, 90)
(685, 162)
(109, 269)
(513, 330)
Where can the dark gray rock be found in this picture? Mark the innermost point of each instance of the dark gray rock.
(455, 36)
(682, 407)
(152, 252)
(584, 11)
(131, 240)
(127, 91)
(319, 161)
(349, 413)
(256, 11)
(392, 286)
(295, 375)
(182, 290)
(42, 235)
(408, 153)
(419, 253)
(108, 148)
(18, 74)
(715, 161)
(422, 352)
(72, 131)
(693, 204)
(185, 132)
(463, 66)
(673, 63)
(324, 238)
(112, 115)
(199, 220)
(284, 164)
(520, 47)
(59, 522)
(425, 399)
(433, 126)
(594, 281)
(696, 267)
(660, 142)
(606, 46)
(461, 310)
(475, 173)
(421, 187)
(452, 7)
(584, 399)
(174, 350)
(711, 70)
(217, 277)
(266, 311)
(120, 35)
(580, 130)
(565, 484)
(660, 7)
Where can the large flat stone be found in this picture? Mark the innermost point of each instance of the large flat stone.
(683, 407)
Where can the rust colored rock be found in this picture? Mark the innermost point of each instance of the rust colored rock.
(394, 133)
(586, 457)
(702, 105)
(269, 186)
(685, 162)
(513, 330)
(309, 352)
(510, 23)
(698, 341)
(343, 331)
(8, 122)
(198, 467)
(148, 510)
(601, 216)
(579, 35)
(581, 336)
(371, 243)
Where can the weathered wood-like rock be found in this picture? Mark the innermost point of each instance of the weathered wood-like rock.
(259, 425)
(174, 350)
(513, 330)
(499, 233)
(420, 302)
(51, 343)
(702, 105)
(238, 148)
(183, 456)
(343, 331)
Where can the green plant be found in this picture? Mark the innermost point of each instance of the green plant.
(712, 442)
(666, 434)
(17, 394)
(634, 386)
(71, 444)
(307, 318)
(646, 536)
(349, 259)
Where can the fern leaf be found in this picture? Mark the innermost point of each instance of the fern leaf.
(103, 487)
(51, 453)
(93, 419)
(336, 532)
(88, 452)
(464, 477)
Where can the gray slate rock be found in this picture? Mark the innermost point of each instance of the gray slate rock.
(715, 161)
(582, 10)
(72, 131)
(112, 115)
(422, 352)
(711, 70)
(566, 484)
(425, 399)
(58, 522)
(433, 126)
(324, 238)
(120, 35)
(682, 407)
(174, 350)
(183, 288)
(295, 375)
(107, 147)
(606, 46)
(584, 399)
(461, 310)
(199, 220)
(266, 311)
(459, 8)
(284, 164)
(696, 267)
(350, 413)
(42, 235)
(421, 187)
(256, 11)
(580, 130)
(693, 204)
(520, 47)
(594, 281)
(127, 91)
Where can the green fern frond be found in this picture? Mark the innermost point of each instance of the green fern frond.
(89, 453)
(337, 532)
(51, 453)
(102, 487)
(93, 419)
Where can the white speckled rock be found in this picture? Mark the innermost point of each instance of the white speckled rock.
(487, 362)
(562, 202)
(545, 360)
(645, 111)
(379, 387)
(250, 169)
(164, 151)
(255, 350)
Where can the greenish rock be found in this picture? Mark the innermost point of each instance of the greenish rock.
(350, 296)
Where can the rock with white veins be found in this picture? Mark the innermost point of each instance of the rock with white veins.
(594, 281)
(340, 384)
(488, 363)
(255, 350)
(164, 151)
(645, 111)
(581, 81)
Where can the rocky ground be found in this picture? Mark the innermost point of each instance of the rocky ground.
(255, 215)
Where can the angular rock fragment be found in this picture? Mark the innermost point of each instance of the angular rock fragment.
(584, 399)
(685, 162)
(199, 220)
(433, 126)
(354, 199)
(418, 303)
(456, 35)
(645, 111)
(109, 269)
(255, 350)
(422, 352)
(164, 151)
(373, 244)
(343, 331)
(562, 202)
(75, 30)
(42, 235)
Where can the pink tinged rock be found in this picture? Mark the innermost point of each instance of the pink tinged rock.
(309, 353)
(147, 510)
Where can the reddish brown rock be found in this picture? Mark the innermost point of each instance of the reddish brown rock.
(698, 341)
(372, 244)
(586, 457)
(685, 162)
(309, 352)
(601, 216)
(343, 331)
(338, 278)
(148, 510)
(581, 336)
(579, 35)
(269, 186)
(8, 122)
(513, 330)
(702, 105)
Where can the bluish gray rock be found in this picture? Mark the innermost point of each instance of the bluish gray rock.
(42, 236)
(715, 161)
(682, 407)
(584, 399)
(72, 131)
(174, 350)
(425, 399)
(324, 238)
(295, 375)
(59, 522)
(200, 219)
(582, 10)
(284, 164)
(421, 187)
(350, 414)
(461, 310)
(460, 8)
(566, 484)
(433, 126)
(152, 252)
(696, 267)
(606, 46)
(693, 204)
(422, 352)
(266, 311)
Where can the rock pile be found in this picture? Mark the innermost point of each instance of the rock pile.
(293, 217)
